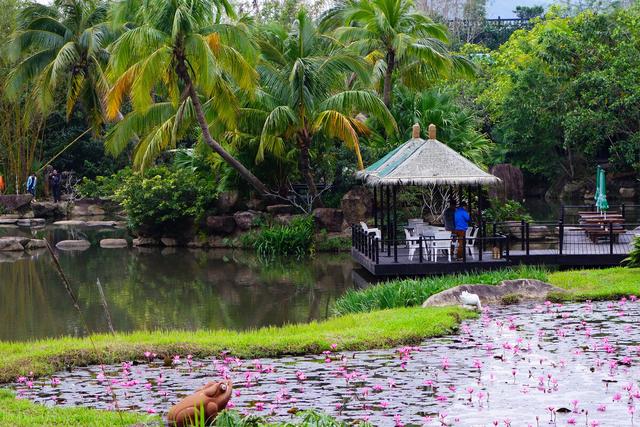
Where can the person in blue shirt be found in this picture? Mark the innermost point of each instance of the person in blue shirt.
(461, 223)
(32, 181)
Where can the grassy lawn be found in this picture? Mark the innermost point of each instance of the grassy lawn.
(609, 283)
(352, 332)
(16, 412)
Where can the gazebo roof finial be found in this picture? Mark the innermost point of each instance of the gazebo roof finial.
(432, 131)
(416, 131)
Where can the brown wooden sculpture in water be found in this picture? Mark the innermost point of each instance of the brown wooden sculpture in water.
(212, 398)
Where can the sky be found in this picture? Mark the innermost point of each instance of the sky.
(504, 8)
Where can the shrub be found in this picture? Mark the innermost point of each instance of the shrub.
(295, 239)
(104, 186)
(500, 211)
(633, 260)
(165, 198)
(410, 292)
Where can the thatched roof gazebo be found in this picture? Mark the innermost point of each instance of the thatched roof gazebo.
(420, 162)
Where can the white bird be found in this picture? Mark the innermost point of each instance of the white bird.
(467, 298)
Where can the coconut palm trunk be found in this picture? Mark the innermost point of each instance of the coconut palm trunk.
(388, 78)
(215, 145)
(305, 168)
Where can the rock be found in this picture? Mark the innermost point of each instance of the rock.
(357, 205)
(113, 243)
(79, 210)
(284, 219)
(11, 244)
(73, 245)
(70, 223)
(33, 222)
(227, 201)
(101, 223)
(221, 224)
(627, 192)
(197, 243)
(95, 210)
(246, 219)
(213, 398)
(169, 241)
(36, 244)
(525, 289)
(28, 214)
(146, 241)
(281, 209)
(8, 221)
(12, 202)
(50, 209)
(329, 219)
(256, 204)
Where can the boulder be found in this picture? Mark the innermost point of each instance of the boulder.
(169, 241)
(197, 243)
(329, 219)
(11, 244)
(8, 221)
(50, 209)
(113, 243)
(627, 192)
(70, 223)
(146, 241)
(94, 210)
(281, 209)
(73, 245)
(227, 201)
(101, 223)
(79, 210)
(30, 222)
(246, 219)
(357, 205)
(256, 204)
(284, 219)
(523, 289)
(221, 224)
(36, 244)
(12, 202)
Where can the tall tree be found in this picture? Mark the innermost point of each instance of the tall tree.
(62, 47)
(179, 50)
(398, 40)
(303, 75)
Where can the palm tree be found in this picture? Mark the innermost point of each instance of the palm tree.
(178, 51)
(62, 47)
(303, 74)
(397, 40)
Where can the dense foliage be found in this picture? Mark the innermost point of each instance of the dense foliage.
(164, 199)
(295, 239)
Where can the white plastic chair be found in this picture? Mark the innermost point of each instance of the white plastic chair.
(368, 230)
(470, 238)
(412, 243)
(442, 242)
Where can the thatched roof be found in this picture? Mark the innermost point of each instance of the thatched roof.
(425, 162)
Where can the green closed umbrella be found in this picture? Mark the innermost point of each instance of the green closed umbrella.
(597, 194)
(601, 190)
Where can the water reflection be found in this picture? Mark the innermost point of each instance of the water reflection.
(164, 289)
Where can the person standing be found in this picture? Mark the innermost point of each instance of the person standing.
(32, 181)
(461, 223)
(54, 183)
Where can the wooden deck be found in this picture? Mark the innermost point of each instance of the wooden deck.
(577, 251)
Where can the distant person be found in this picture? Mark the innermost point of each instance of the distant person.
(461, 220)
(449, 216)
(32, 181)
(54, 183)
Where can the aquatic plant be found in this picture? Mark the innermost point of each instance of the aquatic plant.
(411, 292)
(295, 239)
(633, 260)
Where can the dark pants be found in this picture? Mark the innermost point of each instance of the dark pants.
(56, 193)
(460, 239)
(32, 191)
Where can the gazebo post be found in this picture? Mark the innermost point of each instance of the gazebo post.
(395, 224)
(389, 235)
(382, 230)
(375, 207)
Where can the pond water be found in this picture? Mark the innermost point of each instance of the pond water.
(160, 288)
(521, 365)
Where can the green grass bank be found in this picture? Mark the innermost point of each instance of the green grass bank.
(605, 284)
(351, 332)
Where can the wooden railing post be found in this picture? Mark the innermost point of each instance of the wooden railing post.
(527, 237)
(611, 237)
(377, 251)
(560, 237)
(522, 233)
(420, 248)
(464, 247)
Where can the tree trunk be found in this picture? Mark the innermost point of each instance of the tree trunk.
(388, 76)
(305, 169)
(202, 121)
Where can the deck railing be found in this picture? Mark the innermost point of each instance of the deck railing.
(421, 249)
